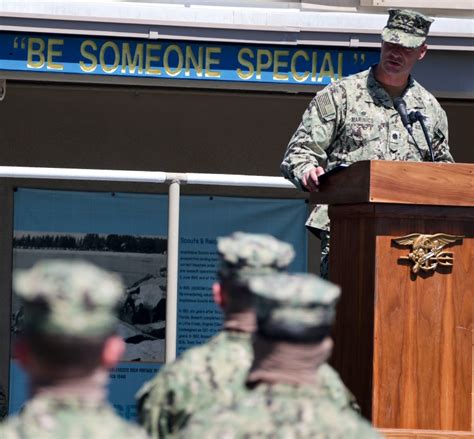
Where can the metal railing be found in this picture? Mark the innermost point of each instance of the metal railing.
(174, 180)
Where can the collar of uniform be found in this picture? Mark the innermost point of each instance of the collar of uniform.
(379, 96)
(376, 93)
(292, 391)
(50, 403)
(232, 334)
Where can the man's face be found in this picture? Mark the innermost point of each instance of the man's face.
(399, 60)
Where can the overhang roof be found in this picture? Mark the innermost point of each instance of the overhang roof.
(210, 22)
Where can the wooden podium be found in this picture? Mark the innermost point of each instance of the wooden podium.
(404, 341)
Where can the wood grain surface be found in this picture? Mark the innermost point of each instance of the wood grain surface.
(352, 266)
(440, 184)
(404, 343)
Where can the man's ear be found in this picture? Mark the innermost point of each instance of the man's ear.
(112, 352)
(424, 49)
(218, 294)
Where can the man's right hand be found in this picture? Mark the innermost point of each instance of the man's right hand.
(310, 178)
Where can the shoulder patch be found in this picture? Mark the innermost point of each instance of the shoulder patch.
(325, 105)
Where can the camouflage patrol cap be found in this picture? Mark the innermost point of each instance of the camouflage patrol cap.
(406, 28)
(298, 307)
(244, 255)
(68, 297)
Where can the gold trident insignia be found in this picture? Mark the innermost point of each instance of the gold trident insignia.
(426, 251)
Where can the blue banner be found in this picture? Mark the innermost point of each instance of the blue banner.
(180, 60)
(202, 221)
(127, 233)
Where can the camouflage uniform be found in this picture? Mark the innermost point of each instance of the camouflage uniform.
(77, 300)
(201, 377)
(295, 308)
(214, 372)
(279, 412)
(208, 375)
(47, 417)
(354, 119)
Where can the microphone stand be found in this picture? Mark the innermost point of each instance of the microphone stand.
(407, 121)
(415, 116)
(410, 131)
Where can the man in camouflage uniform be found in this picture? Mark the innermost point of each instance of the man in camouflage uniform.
(67, 347)
(214, 373)
(211, 373)
(354, 118)
(285, 398)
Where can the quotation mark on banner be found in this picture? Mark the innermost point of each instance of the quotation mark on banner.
(15, 43)
(357, 59)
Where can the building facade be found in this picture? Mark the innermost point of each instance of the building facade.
(193, 86)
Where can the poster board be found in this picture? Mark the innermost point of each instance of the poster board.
(127, 233)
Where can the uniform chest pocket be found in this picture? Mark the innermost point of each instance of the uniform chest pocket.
(361, 134)
(360, 142)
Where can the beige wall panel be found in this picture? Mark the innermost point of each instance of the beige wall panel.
(166, 130)
(460, 117)
(146, 129)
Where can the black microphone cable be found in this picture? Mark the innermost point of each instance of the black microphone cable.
(415, 116)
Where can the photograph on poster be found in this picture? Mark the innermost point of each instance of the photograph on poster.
(141, 262)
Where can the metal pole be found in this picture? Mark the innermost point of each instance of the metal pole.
(172, 281)
(82, 174)
(237, 180)
(144, 176)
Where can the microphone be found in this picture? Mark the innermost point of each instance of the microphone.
(415, 116)
(401, 107)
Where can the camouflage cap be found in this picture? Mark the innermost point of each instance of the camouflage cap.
(294, 306)
(68, 297)
(244, 255)
(406, 28)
